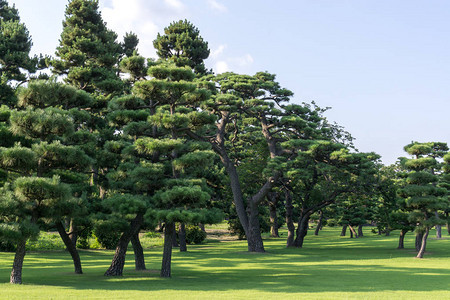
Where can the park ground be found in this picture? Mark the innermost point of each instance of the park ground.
(328, 267)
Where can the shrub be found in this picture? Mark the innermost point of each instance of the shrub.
(194, 235)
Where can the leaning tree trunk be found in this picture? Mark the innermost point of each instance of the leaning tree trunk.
(273, 200)
(118, 262)
(182, 237)
(16, 272)
(360, 231)
(167, 253)
(254, 238)
(289, 219)
(139, 260)
(319, 224)
(70, 246)
(302, 230)
(418, 243)
(401, 239)
(352, 232)
(344, 230)
(423, 244)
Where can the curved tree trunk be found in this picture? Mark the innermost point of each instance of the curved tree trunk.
(139, 260)
(289, 219)
(182, 237)
(319, 224)
(360, 231)
(116, 267)
(423, 244)
(302, 230)
(344, 230)
(401, 239)
(16, 272)
(418, 243)
(70, 246)
(167, 252)
(254, 238)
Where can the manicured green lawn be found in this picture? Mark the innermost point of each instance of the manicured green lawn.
(328, 267)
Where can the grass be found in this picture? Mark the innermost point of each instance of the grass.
(328, 267)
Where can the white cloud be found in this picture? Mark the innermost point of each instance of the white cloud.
(221, 67)
(144, 17)
(214, 5)
(242, 61)
(218, 51)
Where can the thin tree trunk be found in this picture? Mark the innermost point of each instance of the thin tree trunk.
(401, 239)
(302, 230)
(139, 260)
(448, 223)
(352, 232)
(202, 227)
(167, 253)
(16, 272)
(70, 246)
(419, 237)
(360, 231)
(254, 238)
(116, 267)
(344, 230)
(388, 232)
(424, 243)
(273, 200)
(182, 237)
(289, 219)
(438, 228)
(319, 224)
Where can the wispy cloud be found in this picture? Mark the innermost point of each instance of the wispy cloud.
(217, 52)
(217, 6)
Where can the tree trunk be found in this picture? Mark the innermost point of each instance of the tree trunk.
(438, 228)
(360, 231)
(302, 230)
(388, 232)
(182, 237)
(448, 223)
(254, 238)
(319, 224)
(202, 227)
(70, 246)
(16, 272)
(273, 200)
(344, 230)
(167, 253)
(139, 260)
(418, 241)
(423, 244)
(401, 239)
(175, 238)
(352, 232)
(116, 267)
(73, 233)
(289, 219)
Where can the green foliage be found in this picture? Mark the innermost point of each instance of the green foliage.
(182, 44)
(194, 235)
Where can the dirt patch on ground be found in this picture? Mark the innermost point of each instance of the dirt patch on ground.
(220, 234)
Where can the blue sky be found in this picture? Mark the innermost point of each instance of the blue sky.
(382, 65)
